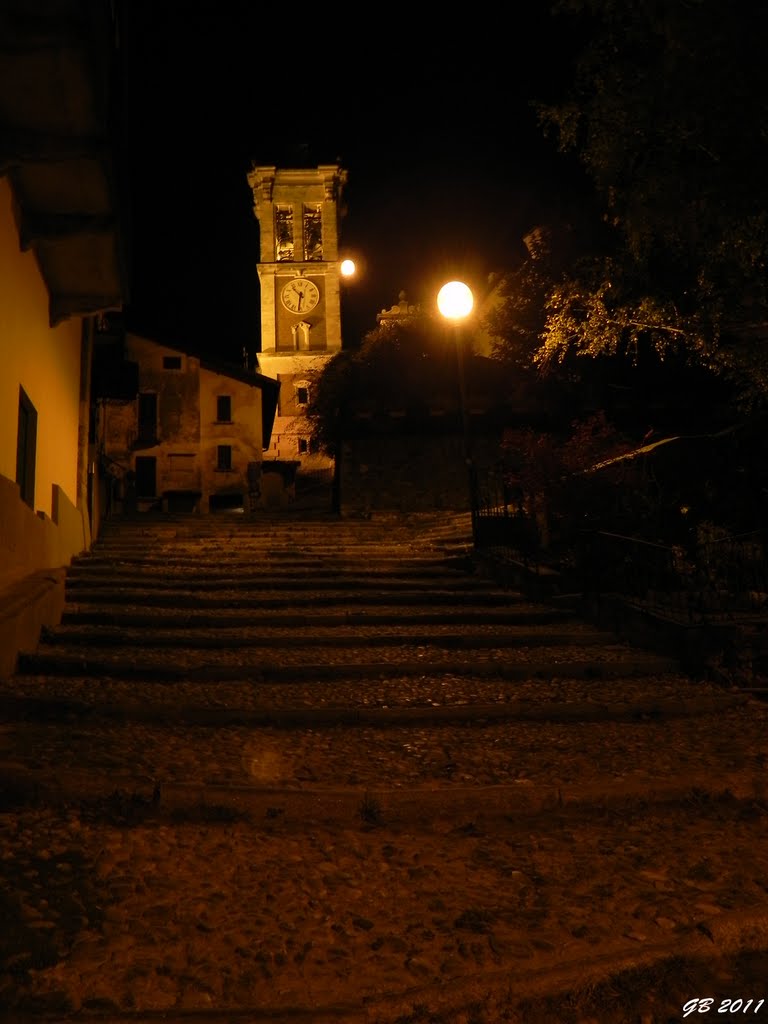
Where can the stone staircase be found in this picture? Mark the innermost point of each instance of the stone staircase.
(316, 769)
(222, 599)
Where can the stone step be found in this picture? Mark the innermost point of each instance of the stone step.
(287, 559)
(254, 636)
(279, 561)
(260, 583)
(284, 597)
(98, 570)
(288, 542)
(281, 546)
(313, 662)
(379, 534)
(418, 556)
(263, 522)
(549, 698)
(519, 747)
(285, 546)
(414, 615)
(252, 714)
(295, 536)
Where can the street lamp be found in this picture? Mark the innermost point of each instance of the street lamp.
(347, 270)
(454, 302)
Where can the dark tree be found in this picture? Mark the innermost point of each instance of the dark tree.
(668, 114)
(397, 365)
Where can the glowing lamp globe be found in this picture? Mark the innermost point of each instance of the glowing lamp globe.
(455, 300)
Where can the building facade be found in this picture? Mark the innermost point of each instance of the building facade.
(191, 439)
(60, 265)
(44, 514)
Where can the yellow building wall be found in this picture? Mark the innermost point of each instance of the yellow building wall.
(45, 361)
(178, 425)
(243, 434)
(188, 432)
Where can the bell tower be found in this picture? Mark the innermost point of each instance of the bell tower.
(299, 213)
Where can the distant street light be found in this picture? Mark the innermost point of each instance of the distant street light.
(454, 302)
(347, 268)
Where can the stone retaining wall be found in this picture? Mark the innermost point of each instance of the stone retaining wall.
(411, 473)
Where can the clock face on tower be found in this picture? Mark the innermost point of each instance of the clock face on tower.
(299, 295)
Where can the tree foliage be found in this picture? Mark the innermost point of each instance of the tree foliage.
(396, 366)
(543, 462)
(547, 473)
(329, 397)
(668, 115)
(625, 375)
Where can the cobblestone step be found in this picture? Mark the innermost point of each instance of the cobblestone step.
(345, 663)
(272, 581)
(148, 554)
(95, 572)
(415, 615)
(251, 708)
(467, 637)
(546, 698)
(284, 597)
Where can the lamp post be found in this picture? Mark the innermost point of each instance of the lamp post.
(347, 271)
(454, 302)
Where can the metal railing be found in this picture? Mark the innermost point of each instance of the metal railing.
(713, 577)
(500, 522)
(710, 581)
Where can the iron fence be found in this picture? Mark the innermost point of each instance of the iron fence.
(727, 579)
(714, 576)
(499, 521)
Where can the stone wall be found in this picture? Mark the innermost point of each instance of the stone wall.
(410, 472)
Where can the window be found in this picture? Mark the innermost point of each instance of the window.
(283, 233)
(147, 427)
(171, 362)
(313, 232)
(224, 409)
(302, 395)
(26, 449)
(303, 446)
(224, 457)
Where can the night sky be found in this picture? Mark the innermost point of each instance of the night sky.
(447, 166)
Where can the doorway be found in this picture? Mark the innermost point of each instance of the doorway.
(146, 476)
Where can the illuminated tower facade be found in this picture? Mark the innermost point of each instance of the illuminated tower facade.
(299, 213)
